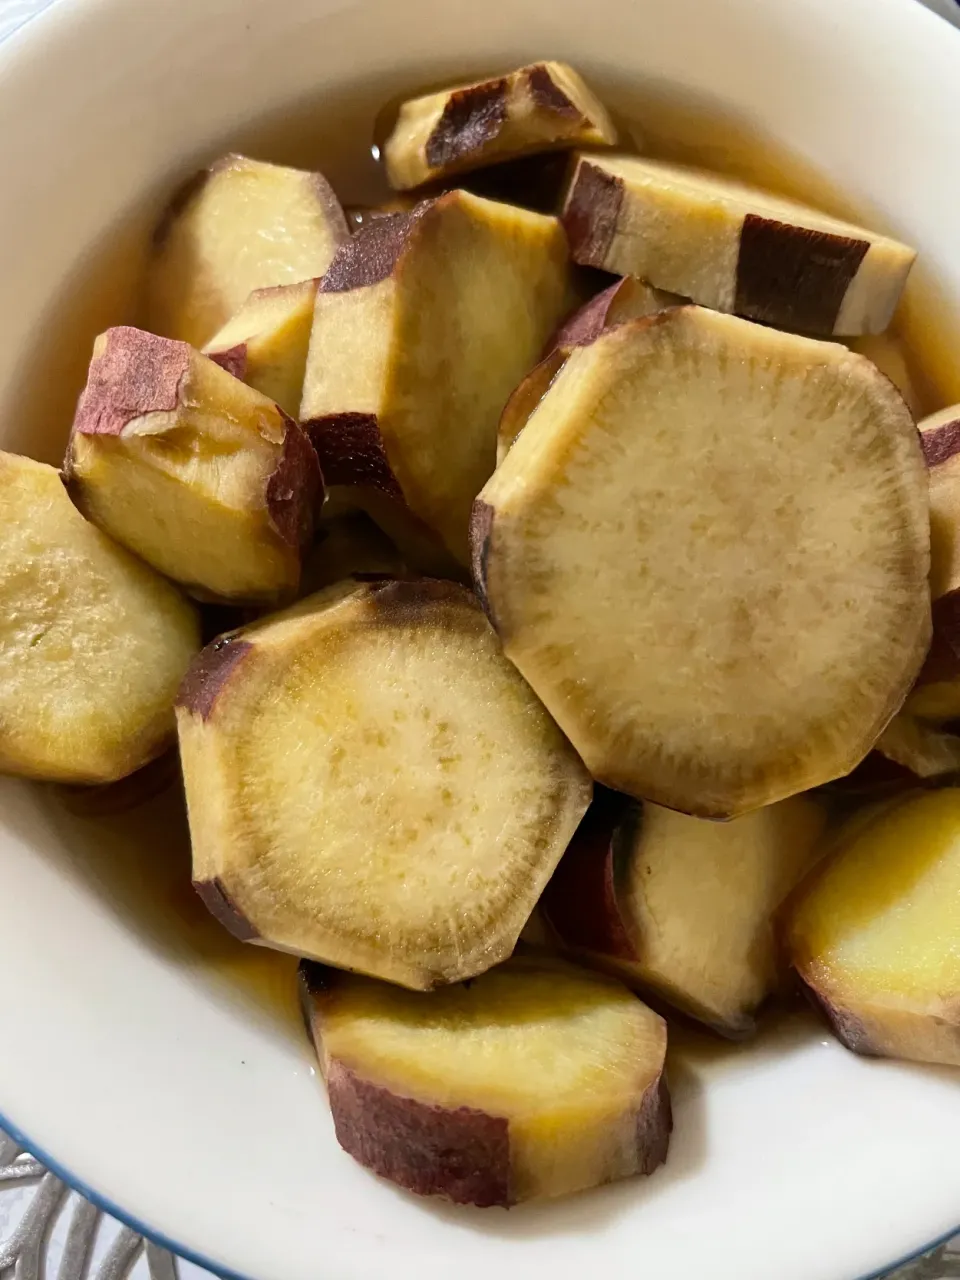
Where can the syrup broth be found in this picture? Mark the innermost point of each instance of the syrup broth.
(134, 851)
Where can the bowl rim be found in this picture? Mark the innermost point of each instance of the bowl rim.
(187, 1254)
(27, 34)
(127, 1219)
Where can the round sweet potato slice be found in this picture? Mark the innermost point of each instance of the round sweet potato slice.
(708, 553)
(370, 783)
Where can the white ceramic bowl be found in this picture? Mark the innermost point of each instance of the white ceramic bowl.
(162, 1066)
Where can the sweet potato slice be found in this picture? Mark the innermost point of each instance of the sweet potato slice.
(693, 493)
(238, 226)
(205, 478)
(936, 697)
(923, 750)
(265, 343)
(732, 246)
(913, 740)
(682, 907)
(536, 1080)
(423, 326)
(93, 643)
(536, 108)
(627, 299)
(875, 933)
(371, 784)
(940, 439)
(909, 754)
(915, 747)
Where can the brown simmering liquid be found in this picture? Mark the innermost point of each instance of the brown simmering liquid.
(135, 851)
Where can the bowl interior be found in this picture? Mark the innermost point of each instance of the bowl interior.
(150, 1055)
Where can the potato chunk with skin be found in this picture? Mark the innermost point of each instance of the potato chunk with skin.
(533, 1081)
(875, 932)
(238, 226)
(910, 753)
(940, 439)
(912, 739)
(681, 907)
(265, 343)
(920, 749)
(448, 794)
(691, 493)
(937, 694)
(536, 108)
(205, 478)
(93, 643)
(423, 326)
(732, 246)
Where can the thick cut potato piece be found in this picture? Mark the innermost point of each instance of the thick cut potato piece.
(238, 226)
(732, 246)
(910, 753)
(205, 478)
(937, 695)
(692, 493)
(372, 785)
(423, 326)
(875, 933)
(93, 644)
(265, 343)
(921, 749)
(628, 299)
(913, 739)
(536, 1080)
(683, 907)
(940, 440)
(536, 108)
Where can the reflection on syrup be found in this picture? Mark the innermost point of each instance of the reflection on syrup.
(134, 849)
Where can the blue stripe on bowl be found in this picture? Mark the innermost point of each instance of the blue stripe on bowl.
(109, 1206)
(122, 1215)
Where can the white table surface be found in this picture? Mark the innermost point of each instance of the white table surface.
(114, 1246)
